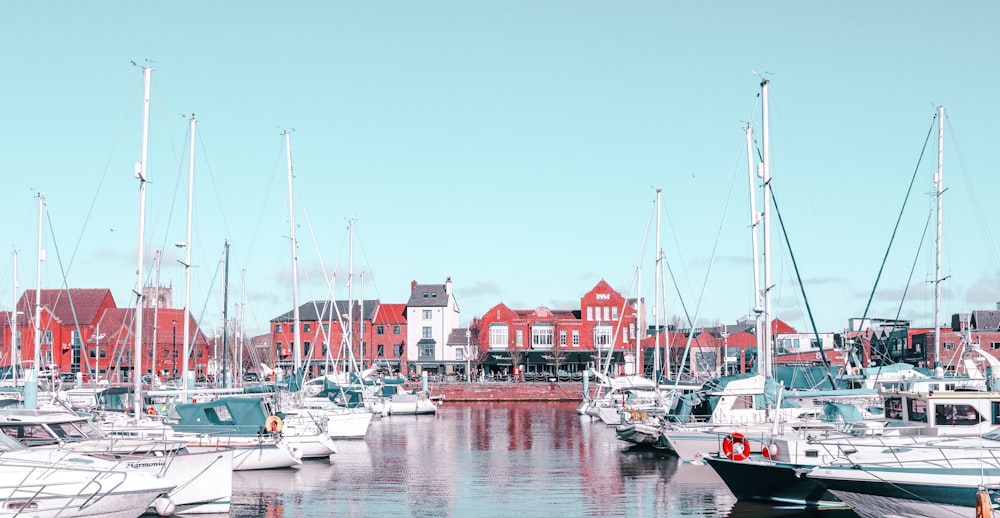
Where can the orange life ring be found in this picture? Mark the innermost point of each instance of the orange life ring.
(736, 447)
(151, 411)
(273, 424)
(984, 508)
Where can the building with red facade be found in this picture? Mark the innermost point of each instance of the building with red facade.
(377, 336)
(84, 331)
(606, 329)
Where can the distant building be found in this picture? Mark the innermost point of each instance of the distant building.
(432, 315)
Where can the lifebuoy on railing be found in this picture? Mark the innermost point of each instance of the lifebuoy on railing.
(736, 447)
(273, 424)
(151, 411)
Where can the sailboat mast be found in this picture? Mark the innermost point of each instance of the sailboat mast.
(639, 367)
(758, 310)
(938, 192)
(15, 346)
(225, 320)
(350, 295)
(764, 350)
(296, 335)
(35, 364)
(657, 280)
(186, 345)
(140, 173)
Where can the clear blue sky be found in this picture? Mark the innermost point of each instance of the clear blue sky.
(512, 146)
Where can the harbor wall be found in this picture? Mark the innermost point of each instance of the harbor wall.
(505, 391)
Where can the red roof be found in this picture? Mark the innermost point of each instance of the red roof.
(390, 314)
(74, 306)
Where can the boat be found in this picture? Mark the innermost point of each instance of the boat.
(204, 480)
(50, 483)
(946, 476)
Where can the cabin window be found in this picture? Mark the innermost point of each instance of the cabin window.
(956, 415)
(996, 412)
(893, 408)
(917, 410)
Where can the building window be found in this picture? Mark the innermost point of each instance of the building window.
(277, 348)
(426, 314)
(602, 336)
(994, 345)
(380, 330)
(519, 338)
(395, 330)
(18, 339)
(326, 349)
(541, 336)
(498, 336)
(74, 337)
(47, 337)
(398, 349)
(277, 328)
(459, 354)
(381, 351)
(562, 338)
(576, 338)
(949, 346)
(614, 313)
(426, 351)
(426, 333)
(590, 312)
(305, 328)
(625, 334)
(307, 349)
(326, 327)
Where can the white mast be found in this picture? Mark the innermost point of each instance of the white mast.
(657, 280)
(764, 350)
(31, 393)
(154, 371)
(350, 296)
(186, 346)
(938, 192)
(758, 309)
(140, 174)
(638, 367)
(15, 347)
(296, 335)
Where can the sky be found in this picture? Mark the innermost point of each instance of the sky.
(513, 147)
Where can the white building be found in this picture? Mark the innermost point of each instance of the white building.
(431, 316)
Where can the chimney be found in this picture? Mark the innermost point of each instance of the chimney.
(413, 285)
(447, 286)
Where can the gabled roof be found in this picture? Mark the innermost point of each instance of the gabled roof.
(986, 320)
(390, 314)
(458, 337)
(324, 310)
(428, 296)
(74, 306)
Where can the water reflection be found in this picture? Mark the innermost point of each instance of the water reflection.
(479, 460)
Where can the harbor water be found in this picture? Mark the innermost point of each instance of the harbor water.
(513, 459)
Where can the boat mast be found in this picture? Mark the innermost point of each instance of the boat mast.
(15, 346)
(31, 393)
(758, 310)
(938, 192)
(657, 281)
(296, 336)
(225, 320)
(140, 174)
(349, 357)
(186, 346)
(764, 350)
(154, 371)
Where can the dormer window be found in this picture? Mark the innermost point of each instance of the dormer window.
(434, 295)
(425, 294)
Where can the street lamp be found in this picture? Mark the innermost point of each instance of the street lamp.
(173, 352)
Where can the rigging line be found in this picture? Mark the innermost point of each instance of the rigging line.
(895, 229)
(104, 175)
(984, 222)
(802, 288)
(267, 192)
(708, 271)
(69, 296)
(906, 289)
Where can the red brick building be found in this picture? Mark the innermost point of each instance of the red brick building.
(378, 337)
(83, 330)
(605, 329)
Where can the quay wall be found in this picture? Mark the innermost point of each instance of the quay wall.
(505, 391)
